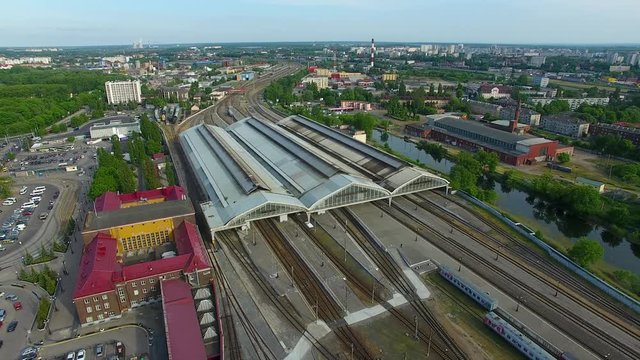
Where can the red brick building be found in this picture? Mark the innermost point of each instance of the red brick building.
(107, 287)
(511, 148)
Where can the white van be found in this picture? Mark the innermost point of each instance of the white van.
(36, 193)
(40, 188)
(28, 204)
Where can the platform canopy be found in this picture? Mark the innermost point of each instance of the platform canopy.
(254, 170)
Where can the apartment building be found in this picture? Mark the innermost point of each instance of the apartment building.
(121, 92)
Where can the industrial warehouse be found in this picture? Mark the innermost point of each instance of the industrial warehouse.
(255, 170)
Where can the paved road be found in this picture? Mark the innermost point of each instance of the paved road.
(15, 341)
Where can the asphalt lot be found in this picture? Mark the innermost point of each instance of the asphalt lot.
(15, 341)
(33, 222)
(133, 337)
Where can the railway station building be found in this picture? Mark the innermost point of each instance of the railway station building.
(255, 169)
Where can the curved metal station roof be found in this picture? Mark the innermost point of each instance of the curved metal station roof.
(254, 169)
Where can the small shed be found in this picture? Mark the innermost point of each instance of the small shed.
(596, 184)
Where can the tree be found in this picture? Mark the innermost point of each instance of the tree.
(402, 89)
(116, 146)
(71, 139)
(563, 158)
(586, 252)
(488, 160)
(11, 156)
(170, 173)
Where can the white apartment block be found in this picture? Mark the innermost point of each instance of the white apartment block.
(565, 125)
(321, 82)
(119, 92)
(573, 103)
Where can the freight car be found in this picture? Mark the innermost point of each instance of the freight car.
(477, 295)
(519, 341)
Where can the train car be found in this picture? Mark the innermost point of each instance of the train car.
(519, 341)
(477, 295)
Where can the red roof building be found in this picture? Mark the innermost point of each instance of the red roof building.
(105, 288)
(184, 340)
(111, 201)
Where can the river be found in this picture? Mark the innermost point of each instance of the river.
(535, 213)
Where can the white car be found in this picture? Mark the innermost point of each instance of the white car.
(71, 355)
(80, 354)
(23, 190)
(21, 227)
(7, 203)
(28, 204)
(12, 199)
(36, 198)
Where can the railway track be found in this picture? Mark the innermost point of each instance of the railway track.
(311, 287)
(626, 319)
(443, 344)
(231, 303)
(602, 342)
(233, 243)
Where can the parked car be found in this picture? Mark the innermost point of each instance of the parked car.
(120, 351)
(50, 207)
(99, 350)
(23, 190)
(11, 297)
(3, 314)
(12, 326)
(71, 355)
(80, 355)
(21, 227)
(17, 305)
(7, 203)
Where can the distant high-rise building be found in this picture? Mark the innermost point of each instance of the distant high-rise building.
(373, 52)
(119, 92)
(540, 81)
(634, 59)
(537, 61)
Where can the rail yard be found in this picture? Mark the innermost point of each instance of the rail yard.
(307, 284)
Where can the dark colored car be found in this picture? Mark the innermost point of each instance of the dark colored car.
(12, 326)
(56, 194)
(120, 350)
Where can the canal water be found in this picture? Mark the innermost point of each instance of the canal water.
(537, 214)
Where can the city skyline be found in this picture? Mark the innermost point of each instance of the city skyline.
(73, 23)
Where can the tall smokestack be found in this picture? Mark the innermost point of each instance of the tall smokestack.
(513, 124)
(373, 51)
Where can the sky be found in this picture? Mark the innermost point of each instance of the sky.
(118, 22)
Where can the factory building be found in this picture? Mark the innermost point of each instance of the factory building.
(512, 148)
(138, 221)
(108, 285)
(122, 92)
(254, 169)
(114, 127)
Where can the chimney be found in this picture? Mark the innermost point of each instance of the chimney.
(373, 52)
(513, 124)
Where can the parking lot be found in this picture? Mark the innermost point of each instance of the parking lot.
(14, 341)
(133, 338)
(20, 222)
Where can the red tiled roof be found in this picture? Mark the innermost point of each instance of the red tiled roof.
(108, 201)
(97, 267)
(157, 156)
(155, 267)
(184, 340)
(111, 201)
(188, 241)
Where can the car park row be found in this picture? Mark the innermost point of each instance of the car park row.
(16, 223)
